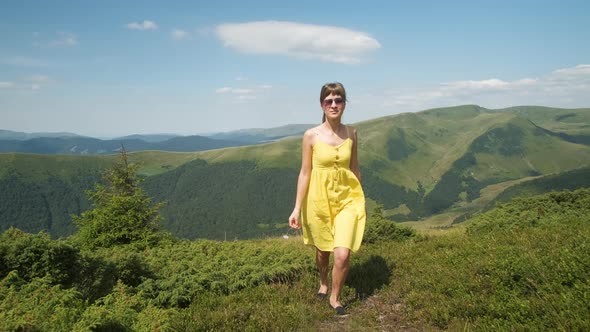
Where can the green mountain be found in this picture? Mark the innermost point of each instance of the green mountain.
(40, 192)
(224, 201)
(414, 164)
(152, 138)
(20, 136)
(65, 143)
(570, 180)
(93, 146)
(522, 266)
(260, 135)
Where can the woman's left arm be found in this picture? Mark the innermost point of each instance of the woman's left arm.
(354, 162)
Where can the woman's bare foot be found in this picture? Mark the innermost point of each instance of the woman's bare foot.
(322, 292)
(335, 304)
(338, 307)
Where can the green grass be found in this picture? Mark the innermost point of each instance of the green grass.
(434, 148)
(36, 167)
(158, 162)
(439, 137)
(541, 154)
(521, 266)
(569, 121)
(282, 153)
(434, 224)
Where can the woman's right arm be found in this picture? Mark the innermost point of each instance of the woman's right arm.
(303, 180)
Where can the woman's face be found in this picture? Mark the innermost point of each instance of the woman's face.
(333, 106)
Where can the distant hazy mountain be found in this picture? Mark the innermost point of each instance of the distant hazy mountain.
(151, 138)
(20, 136)
(86, 145)
(66, 143)
(414, 164)
(570, 180)
(260, 135)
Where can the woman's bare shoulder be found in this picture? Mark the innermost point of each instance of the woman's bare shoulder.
(310, 136)
(351, 129)
(311, 132)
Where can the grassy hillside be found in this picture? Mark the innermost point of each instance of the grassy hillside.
(414, 165)
(412, 147)
(521, 147)
(16, 135)
(507, 151)
(233, 200)
(260, 135)
(92, 146)
(563, 181)
(64, 143)
(40, 192)
(521, 266)
(149, 137)
(283, 153)
(558, 120)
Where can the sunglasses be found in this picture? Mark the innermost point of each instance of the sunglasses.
(328, 102)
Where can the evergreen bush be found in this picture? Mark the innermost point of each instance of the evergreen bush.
(379, 229)
(122, 215)
(37, 256)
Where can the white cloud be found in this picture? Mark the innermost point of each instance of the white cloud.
(485, 84)
(304, 41)
(39, 79)
(567, 87)
(243, 95)
(66, 39)
(34, 82)
(24, 61)
(63, 39)
(491, 84)
(178, 34)
(242, 91)
(246, 97)
(145, 25)
(579, 70)
(223, 90)
(204, 31)
(6, 85)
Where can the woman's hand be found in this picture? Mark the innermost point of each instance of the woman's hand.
(294, 219)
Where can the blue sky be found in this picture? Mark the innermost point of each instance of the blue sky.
(111, 68)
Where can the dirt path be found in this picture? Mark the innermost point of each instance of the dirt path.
(376, 313)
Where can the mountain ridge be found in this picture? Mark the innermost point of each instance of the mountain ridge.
(414, 164)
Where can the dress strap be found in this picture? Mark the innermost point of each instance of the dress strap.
(347, 133)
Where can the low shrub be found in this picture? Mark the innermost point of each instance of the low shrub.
(37, 256)
(380, 229)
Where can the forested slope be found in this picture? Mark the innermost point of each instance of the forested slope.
(414, 165)
(521, 266)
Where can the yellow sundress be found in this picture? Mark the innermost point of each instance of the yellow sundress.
(333, 211)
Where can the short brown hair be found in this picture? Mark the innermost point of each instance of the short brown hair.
(335, 88)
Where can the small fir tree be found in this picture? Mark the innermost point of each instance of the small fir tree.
(123, 214)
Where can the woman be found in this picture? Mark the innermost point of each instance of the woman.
(330, 200)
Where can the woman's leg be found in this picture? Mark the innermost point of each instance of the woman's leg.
(339, 273)
(322, 260)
